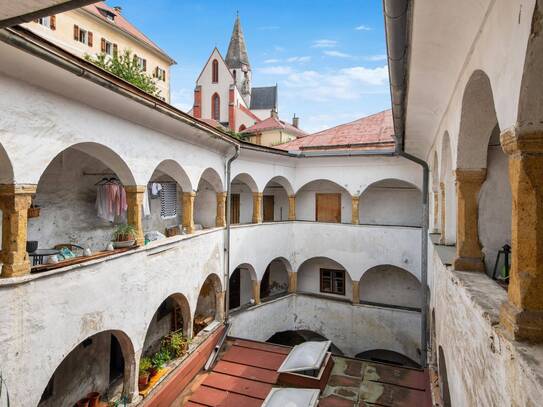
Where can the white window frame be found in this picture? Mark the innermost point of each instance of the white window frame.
(45, 21)
(139, 61)
(83, 36)
(110, 46)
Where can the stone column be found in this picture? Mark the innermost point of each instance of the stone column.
(522, 314)
(292, 207)
(219, 302)
(356, 292)
(256, 291)
(14, 203)
(188, 211)
(257, 207)
(443, 239)
(220, 220)
(134, 198)
(292, 282)
(436, 211)
(355, 217)
(468, 249)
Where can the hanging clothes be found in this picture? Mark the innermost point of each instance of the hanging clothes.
(146, 205)
(111, 200)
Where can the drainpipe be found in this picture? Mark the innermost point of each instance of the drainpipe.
(227, 237)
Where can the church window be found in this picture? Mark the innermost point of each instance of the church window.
(215, 71)
(216, 107)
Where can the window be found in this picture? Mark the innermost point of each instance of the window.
(216, 107)
(160, 74)
(108, 47)
(141, 62)
(82, 36)
(168, 200)
(49, 22)
(332, 281)
(215, 71)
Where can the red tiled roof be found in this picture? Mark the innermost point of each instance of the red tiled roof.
(373, 131)
(249, 113)
(122, 23)
(272, 123)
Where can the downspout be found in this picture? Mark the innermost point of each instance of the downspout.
(227, 236)
(398, 17)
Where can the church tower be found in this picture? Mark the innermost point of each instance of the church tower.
(237, 60)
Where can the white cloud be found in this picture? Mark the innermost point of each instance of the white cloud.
(279, 48)
(299, 59)
(363, 28)
(276, 70)
(324, 44)
(182, 98)
(378, 57)
(340, 85)
(336, 54)
(271, 61)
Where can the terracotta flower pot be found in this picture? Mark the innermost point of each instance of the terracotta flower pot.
(83, 402)
(143, 380)
(94, 399)
(153, 371)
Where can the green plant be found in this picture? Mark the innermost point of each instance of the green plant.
(161, 358)
(235, 134)
(124, 232)
(177, 344)
(145, 365)
(125, 66)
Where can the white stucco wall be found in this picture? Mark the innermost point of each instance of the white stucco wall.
(309, 277)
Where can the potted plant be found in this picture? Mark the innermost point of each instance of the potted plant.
(178, 344)
(124, 235)
(144, 372)
(160, 359)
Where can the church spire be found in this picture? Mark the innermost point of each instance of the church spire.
(237, 51)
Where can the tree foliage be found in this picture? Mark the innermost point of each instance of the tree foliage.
(125, 66)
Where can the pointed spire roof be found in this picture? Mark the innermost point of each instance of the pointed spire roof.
(237, 50)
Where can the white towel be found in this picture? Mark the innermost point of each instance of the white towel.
(146, 206)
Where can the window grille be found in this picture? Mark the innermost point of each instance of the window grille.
(168, 200)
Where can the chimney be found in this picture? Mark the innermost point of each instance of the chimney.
(274, 113)
(296, 121)
(118, 9)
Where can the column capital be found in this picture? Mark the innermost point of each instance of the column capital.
(138, 189)
(191, 194)
(16, 189)
(516, 141)
(470, 175)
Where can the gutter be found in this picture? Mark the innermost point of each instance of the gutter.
(48, 11)
(227, 237)
(398, 19)
(90, 72)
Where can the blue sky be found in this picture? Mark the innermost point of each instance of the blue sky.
(328, 57)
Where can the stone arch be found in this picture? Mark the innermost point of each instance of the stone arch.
(276, 278)
(243, 287)
(309, 277)
(447, 193)
(244, 190)
(209, 306)
(175, 171)
(276, 195)
(206, 212)
(306, 199)
(391, 202)
(211, 176)
(6, 168)
(87, 368)
(477, 121)
(388, 356)
(390, 286)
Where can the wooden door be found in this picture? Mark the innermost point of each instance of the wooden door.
(328, 208)
(269, 205)
(234, 209)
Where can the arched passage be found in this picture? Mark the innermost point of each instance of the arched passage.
(299, 336)
(387, 356)
(244, 193)
(243, 286)
(275, 204)
(435, 194)
(322, 275)
(276, 279)
(210, 303)
(73, 200)
(391, 202)
(323, 201)
(390, 286)
(206, 211)
(165, 204)
(103, 363)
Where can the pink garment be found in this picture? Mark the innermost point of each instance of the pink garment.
(111, 201)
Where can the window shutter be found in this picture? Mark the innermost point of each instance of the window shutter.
(76, 32)
(89, 38)
(168, 200)
(103, 45)
(53, 22)
(115, 49)
(164, 76)
(144, 65)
